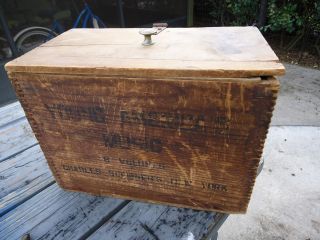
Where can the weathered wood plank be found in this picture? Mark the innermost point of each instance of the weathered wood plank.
(167, 138)
(15, 138)
(214, 52)
(149, 221)
(21, 177)
(183, 120)
(11, 112)
(57, 214)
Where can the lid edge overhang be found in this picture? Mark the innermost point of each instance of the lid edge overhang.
(257, 69)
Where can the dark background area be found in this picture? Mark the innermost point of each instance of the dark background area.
(20, 14)
(292, 27)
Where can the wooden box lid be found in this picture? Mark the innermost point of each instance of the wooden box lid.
(177, 52)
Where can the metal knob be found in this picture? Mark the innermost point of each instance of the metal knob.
(148, 32)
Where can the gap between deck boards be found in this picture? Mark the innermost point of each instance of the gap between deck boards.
(12, 122)
(104, 220)
(9, 208)
(19, 152)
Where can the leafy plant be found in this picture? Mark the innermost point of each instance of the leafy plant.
(234, 12)
(298, 18)
(283, 17)
(244, 11)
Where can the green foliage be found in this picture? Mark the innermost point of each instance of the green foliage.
(234, 12)
(313, 19)
(244, 11)
(218, 12)
(294, 16)
(283, 17)
(291, 16)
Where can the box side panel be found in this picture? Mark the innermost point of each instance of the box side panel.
(190, 143)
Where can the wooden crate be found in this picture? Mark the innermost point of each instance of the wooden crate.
(181, 122)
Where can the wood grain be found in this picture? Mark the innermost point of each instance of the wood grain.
(15, 138)
(57, 214)
(181, 122)
(148, 221)
(25, 178)
(177, 52)
(169, 139)
(11, 112)
(22, 177)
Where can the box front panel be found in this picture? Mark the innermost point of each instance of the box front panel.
(191, 143)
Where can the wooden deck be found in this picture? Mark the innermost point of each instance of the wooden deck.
(32, 203)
